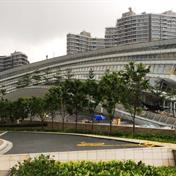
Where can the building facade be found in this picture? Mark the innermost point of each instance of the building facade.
(111, 37)
(159, 55)
(16, 59)
(83, 43)
(132, 28)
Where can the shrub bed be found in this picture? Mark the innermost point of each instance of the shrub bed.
(44, 166)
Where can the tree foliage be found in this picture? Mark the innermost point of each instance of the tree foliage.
(24, 81)
(44, 166)
(75, 97)
(93, 96)
(110, 90)
(134, 83)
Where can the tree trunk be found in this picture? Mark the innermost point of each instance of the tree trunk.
(30, 118)
(52, 118)
(134, 118)
(92, 122)
(133, 126)
(173, 109)
(63, 123)
(42, 125)
(63, 117)
(110, 126)
(42, 120)
(76, 120)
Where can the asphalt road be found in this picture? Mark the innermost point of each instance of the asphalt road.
(28, 142)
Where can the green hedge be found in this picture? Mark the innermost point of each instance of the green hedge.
(44, 166)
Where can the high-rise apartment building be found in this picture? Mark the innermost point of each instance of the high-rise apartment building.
(132, 28)
(16, 59)
(111, 37)
(83, 42)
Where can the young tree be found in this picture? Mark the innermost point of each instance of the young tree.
(22, 111)
(36, 77)
(2, 92)
(11, 107)
(39, 108)
(91, 74)
(46, 76)
(24, 81)
(75, 97)
(52, 100)
(57, 77)
(3, 110)
(134, 84)
(110, 91)
(69, 75)
(93, 97)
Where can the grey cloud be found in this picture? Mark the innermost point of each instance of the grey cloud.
(36, 22)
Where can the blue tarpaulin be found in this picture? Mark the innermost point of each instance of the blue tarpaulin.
(99, 117)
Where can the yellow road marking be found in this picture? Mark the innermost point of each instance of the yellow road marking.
(102, 144)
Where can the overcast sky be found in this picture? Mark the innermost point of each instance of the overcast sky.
(39, 27)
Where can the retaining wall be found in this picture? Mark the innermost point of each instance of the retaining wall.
(104, 129)
(157, 156)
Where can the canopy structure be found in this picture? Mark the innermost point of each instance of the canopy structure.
(99, 117)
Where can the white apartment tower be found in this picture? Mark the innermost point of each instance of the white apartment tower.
(16, 59)
(83, 42)
(132, 28)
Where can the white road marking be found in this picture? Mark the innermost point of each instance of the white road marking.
(3, 133)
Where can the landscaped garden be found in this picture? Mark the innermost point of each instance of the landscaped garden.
(44, 166)
(68, 96)
(71, 97)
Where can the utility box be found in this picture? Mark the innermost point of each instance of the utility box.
(116, 121)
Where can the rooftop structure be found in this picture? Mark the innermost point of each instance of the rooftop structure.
(83, 42)
(16, 59)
